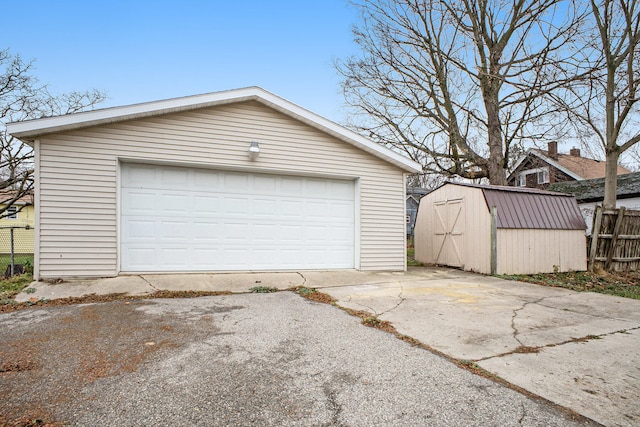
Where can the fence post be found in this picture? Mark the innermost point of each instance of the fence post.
(595, 232)
(494, 240)
(614, 238)
(13, 263)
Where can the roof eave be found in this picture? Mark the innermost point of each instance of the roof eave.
(545, 159)
(31, 129)
(557, 165)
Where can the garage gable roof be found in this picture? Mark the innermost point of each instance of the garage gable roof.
(31, 129)
(528, 208)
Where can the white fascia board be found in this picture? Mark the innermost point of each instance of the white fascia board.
(520, 160)
(557, 165)
(28, 130)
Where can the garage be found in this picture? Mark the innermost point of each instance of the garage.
(186, 219)
(238, 180)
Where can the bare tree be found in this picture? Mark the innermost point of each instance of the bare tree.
(458, 84)
(22, 97)
(604, 106)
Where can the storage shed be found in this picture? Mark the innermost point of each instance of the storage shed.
(240, 180)
(500, 230)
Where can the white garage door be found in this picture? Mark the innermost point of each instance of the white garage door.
(185, 219)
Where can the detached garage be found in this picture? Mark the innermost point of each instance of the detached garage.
(500, 230)
(240, 180)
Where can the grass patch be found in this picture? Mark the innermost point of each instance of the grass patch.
(411, 258)
(24, 259)
(625, 284)
(263, 290)
(9, 288)
(313, 295)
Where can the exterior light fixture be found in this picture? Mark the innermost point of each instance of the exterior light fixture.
(254, 150)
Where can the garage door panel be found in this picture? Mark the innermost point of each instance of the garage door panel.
(138, 201)
(205, 258)
(291, 185)
(207, 231)
(140, 175)
(180, 219)
(342, 190)
(205, 181)
(174, 203)
(173, 257)
(342, 211)
(265, 185)
(205, 205)
(176, 178)
(236, 182)
(236, 206)
(175, 230)
(139, 230)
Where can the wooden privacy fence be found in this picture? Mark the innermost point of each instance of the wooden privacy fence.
(615, 240)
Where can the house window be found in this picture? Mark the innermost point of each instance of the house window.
(543, 176)
(12, 212)
(522, 180)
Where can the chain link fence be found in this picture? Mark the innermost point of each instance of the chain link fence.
(16, 249)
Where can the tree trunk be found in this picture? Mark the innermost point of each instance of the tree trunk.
(495, 162)
(611, 180)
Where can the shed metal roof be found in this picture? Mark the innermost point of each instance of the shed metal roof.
(528, 208)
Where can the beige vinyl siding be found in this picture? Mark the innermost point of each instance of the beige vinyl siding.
(79, 178)
(525, 251)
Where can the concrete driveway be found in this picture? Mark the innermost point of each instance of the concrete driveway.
(579, 350)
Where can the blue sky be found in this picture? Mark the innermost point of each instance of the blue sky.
(141, 51)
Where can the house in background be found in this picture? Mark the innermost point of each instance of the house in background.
(590, 193)
(533, 231)
(240, 180)
(539, 168)
(414, 195)
(21, 217)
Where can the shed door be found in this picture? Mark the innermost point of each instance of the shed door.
(449, 232)
(176, 219)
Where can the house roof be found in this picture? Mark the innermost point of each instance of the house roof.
(592, 190)
(529, 208)
(586, 168)
(31, 129)
(7, 195)
(577, 167)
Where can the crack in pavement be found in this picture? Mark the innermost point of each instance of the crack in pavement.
(597, 316)
(372, 310)
(304, 279)
(398, 304)
(515, 314)
(569, 341)
(524, 413)
(332, 405)
(149, 283)
(538, 302)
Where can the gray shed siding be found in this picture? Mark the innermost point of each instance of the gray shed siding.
(78, 179)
